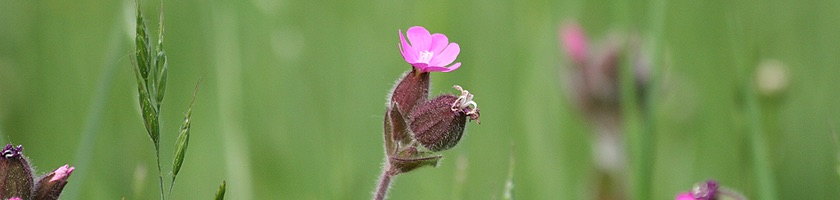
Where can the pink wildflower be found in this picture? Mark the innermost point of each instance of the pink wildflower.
(429, 52)
(574, 41)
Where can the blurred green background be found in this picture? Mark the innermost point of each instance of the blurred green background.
(293, 92)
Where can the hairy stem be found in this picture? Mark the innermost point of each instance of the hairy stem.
(384, 182)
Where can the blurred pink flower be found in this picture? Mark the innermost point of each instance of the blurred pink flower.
(15, 198)
(708, 190)
(429, 52)
(574, 41)
(685, 196)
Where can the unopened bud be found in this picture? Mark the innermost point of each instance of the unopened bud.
(49, 186)
(438, 124)
(705, 191)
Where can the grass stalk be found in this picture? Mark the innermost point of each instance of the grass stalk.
(229, 79)
(762, 172)
(160, 171)
(644, 139)
(94, 115)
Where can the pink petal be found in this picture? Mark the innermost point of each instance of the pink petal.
(406, 50)
(420, 66)
(685, 196)
(420, 38)
(453, 67)
(447, 56)
(439, 42)
(442, 69)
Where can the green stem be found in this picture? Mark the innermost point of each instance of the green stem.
(160, 172)
(761, 160)
(229, 79)
(645, 139)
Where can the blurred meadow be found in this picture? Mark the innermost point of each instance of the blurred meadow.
(293, 94)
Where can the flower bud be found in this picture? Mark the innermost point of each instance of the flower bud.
(15, 174)
(439, 123)
(49, 186)
(705, 191)
(709, 190)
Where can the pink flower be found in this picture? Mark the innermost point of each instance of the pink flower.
(15, 198)
(429, 52)
(574, 41)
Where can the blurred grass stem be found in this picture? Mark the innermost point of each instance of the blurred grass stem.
(644, 139)
(758, 144)
(229, 72)
(94, 115)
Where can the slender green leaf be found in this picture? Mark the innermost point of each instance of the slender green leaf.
(220, 194)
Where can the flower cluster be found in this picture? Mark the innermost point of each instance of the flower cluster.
(17, 181)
